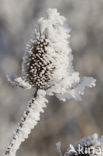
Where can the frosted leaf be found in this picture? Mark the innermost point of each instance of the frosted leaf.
(78, 90)
(19, 82)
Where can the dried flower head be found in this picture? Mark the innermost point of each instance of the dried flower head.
(47, 63)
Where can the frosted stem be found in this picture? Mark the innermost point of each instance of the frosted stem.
(30, 119)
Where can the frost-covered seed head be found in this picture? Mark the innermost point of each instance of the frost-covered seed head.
(37, 69)
(47, 63)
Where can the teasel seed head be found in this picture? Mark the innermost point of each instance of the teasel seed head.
(47, 62)
(37, 67)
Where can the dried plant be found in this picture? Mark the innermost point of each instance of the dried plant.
(47, 68)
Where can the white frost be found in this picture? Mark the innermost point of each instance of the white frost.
(29, 120)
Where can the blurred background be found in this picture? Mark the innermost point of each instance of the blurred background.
(66, 122)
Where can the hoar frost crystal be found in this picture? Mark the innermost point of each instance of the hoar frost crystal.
(47, 67)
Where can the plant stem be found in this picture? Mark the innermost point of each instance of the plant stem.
(29, 120)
